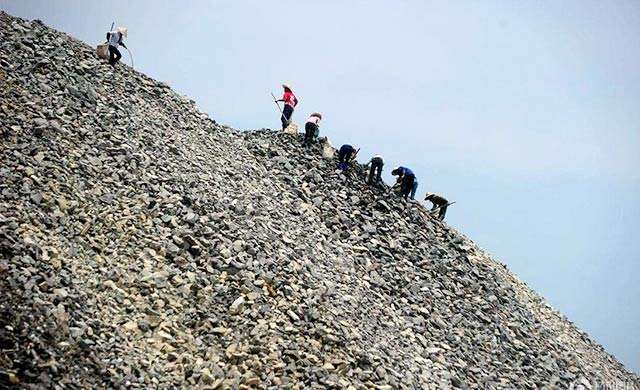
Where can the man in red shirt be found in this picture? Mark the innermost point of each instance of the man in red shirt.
(290, 101)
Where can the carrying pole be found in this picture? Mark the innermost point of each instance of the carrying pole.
(112, 25)
(130, 56)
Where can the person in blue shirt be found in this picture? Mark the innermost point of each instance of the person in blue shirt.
(345, 155)
(406, 177)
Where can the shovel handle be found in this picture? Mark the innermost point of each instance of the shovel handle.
(276, 102)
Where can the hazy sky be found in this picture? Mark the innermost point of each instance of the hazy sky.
(525, 113)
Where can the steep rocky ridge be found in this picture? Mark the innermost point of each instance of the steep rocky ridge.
(142, 244)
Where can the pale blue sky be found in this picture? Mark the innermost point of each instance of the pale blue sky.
(525, 113)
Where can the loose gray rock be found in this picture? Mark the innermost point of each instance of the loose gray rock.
(144, 245)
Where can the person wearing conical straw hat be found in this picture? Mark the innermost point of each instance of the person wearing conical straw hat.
(115, 39)
(312, 128)
(439, 203)
(290, 101)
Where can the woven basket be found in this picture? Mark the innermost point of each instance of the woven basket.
(291, 129)
(102, 51)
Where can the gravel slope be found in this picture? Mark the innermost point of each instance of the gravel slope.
(144, 245)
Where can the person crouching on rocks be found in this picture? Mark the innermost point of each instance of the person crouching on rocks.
(406, 178)
(346, 154)
(290, 102)
(115, 39)
(439, 203)
(312, 128)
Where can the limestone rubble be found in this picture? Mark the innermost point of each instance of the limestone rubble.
(144, 245)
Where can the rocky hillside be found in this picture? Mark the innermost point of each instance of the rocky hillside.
(142, 244)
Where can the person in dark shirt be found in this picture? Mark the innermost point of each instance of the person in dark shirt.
(406, 178)
(345, 155)
(439, 203)
(375, 171)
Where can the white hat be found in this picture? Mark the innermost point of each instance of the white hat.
(123, 31)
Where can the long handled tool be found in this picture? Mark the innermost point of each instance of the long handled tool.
(441, 206)
(275, 100)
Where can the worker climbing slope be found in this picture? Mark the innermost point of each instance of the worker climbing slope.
(346, 154)
(114, 38)
(406, 179)
(290, 102)
(312, 128)
(375, 171)
(440, 204)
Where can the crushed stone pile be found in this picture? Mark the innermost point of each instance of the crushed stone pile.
(144, 245)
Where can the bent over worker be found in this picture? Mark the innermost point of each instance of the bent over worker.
(290, 102)
(115, 39)
(312, 128)
(439, 202)
(406, 177)
(375, 172)
(345, 155)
